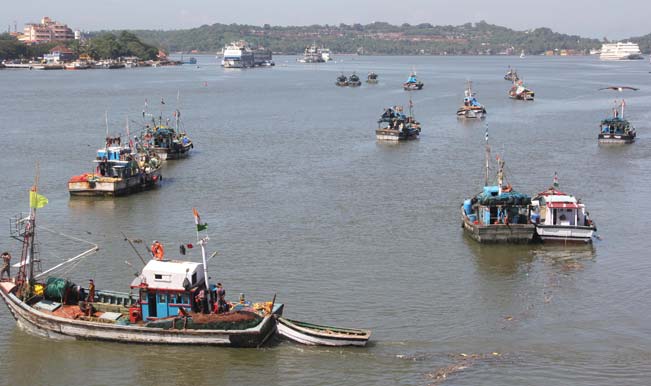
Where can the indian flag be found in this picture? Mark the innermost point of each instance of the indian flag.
(197, 221)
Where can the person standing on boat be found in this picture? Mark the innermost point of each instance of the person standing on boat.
(91, 291)
(157, 250)
(222, 306)
(6, 265)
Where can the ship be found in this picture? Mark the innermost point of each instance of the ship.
(498, 214)
(238, 54)
(560, 217)
(395, 125)
(314, 54)
(412, 83)
(620, 51)
(471, 107)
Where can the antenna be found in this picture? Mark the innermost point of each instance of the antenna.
(488, 156)
(106, 121)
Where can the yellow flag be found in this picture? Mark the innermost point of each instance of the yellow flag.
(36, 200)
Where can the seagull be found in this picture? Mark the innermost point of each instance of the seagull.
(619, 88)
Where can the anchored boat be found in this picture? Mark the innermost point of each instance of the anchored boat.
(171, 304)
(498, 214)
(318, 335)
(118, 171)
(412, 83)
(394, 125)
(372, 78)
(164, 140)
(616, 129)
(520, 92)
(354, 81)
(471, 107)
(511, 75)
(561, 217)
(342, 81)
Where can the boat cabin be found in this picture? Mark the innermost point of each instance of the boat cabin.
(495, 207)
(115, 161)
(615, 125)
(558, 209)
(166, 286)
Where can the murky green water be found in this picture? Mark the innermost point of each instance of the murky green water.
(301, 201)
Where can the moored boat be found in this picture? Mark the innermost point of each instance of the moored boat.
(372, 78)
(165, 141)
(171, 304)
(342, 80)
(511, 75)
(394, 125)
(616, 129)
(560, 217)
(412, 83)
(471, 107)
(118, 171)
(520, 92)
(354, 81)
(498, 214)
(319, 335)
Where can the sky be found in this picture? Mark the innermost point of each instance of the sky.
(596, 19)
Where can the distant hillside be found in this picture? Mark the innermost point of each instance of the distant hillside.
(643, 41)
(378, 38)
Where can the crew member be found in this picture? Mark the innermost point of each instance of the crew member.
(222, 306)
(157, 250)
(91, 291)
(200, 300)
(6, 265)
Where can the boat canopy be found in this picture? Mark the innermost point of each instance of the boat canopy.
(491, 197)
(562, 205)
(170, 275)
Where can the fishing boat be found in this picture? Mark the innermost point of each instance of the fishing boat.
(560, 217)
(372, 78)
(77, 65)
(471, 107)
(394, 125)
(616, 129)
(314, 54)
(168, 303)
(166, 141)
(520, 92)
(318, 335)
(342, 81)
(498, 214)
(354, 81)
(118, 171)
(412, 83)
(511, 75)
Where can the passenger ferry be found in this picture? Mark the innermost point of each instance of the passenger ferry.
(620, 51)
(238, 55)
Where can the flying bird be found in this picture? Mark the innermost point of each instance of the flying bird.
(619, 88)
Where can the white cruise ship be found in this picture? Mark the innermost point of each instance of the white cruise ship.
(237, 55)
(620, 51)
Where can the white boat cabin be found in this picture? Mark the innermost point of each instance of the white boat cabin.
(166, 286)
(558, 209)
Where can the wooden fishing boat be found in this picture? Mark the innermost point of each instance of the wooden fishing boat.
(318, 335)
(616, 129)
(498, 214)
(163, 310)
(520, 92)
(342, 81)
(394, 125)
(471, 107)
(372, 78)
(354, 81)
(166, 141)
(118, 171)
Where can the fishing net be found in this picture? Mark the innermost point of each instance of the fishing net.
(56, 288)
(239, 320)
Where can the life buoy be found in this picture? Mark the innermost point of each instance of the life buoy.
(157, 250)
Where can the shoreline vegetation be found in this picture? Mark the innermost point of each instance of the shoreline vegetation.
(378, 38)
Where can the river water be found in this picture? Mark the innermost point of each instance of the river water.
(303, 202)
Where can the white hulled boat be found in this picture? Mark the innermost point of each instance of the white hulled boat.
(238, 55)
(620, 51)
(561, 217)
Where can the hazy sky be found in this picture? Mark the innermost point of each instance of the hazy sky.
(596, 18)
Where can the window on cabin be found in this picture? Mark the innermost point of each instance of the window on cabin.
(162, 298)
(179, 298)
(158, 276)
(194, 278)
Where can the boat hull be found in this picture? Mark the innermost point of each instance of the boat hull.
(314, 337)
(498, 233)
(471, 113)
(565, 234)
(616, 138)
(394, 135)
(166, 153)
(48, 326)
(119, 187)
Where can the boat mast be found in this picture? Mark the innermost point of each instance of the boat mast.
(500, 175)
(488, 156)
(623, 104)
